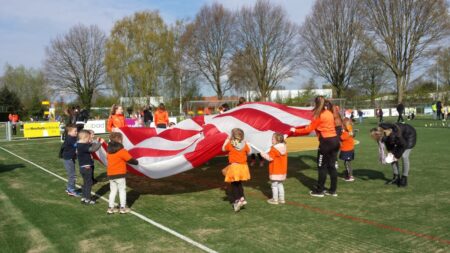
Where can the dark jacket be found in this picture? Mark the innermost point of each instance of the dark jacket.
(84, 151)
(69, 148)
(148, 116)
(400, 108)
(403, 137)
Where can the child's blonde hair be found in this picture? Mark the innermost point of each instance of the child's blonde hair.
(237, 134)
(279, 138)
(115, 137)
(84, 135)
(348, 125)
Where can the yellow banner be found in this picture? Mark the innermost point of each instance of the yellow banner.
(41, 129)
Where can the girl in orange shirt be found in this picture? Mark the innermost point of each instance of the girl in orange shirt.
(116, 118)
(237, 171)
(347, 149)
(323, 123)
(277, 158)
(161, 117)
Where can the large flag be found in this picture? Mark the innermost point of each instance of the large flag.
(191, 143)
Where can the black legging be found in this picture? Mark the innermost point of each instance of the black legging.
(237, 190)
(326, 160)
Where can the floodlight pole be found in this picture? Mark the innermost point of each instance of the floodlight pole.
(181, 97)
(437, 82)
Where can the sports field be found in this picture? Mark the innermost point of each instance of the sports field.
(37, 216)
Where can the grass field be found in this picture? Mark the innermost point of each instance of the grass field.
(367, 216)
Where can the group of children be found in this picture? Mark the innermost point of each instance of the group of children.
(238, 171)
(80, 146)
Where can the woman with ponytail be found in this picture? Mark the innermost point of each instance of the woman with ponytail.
(323, 123)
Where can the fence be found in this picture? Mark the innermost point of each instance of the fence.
(5, 131)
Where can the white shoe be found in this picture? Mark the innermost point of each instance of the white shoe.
(272, 201)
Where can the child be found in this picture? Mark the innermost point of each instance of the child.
(347, 149)
(116, 170)
(84, 149)
(277, 158)
(237, 171)
(94, 142)
(68, 154)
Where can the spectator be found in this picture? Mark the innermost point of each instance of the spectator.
(379, 113)
(116, 118)
(14, 119)
(360, 116)
(161, 117)
(438, 110)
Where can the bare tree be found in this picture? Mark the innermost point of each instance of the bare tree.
(212, 40)
(241, 75)
(331, 41)
(400, 31)
(74, 62)
(270, 43)
(371, 76)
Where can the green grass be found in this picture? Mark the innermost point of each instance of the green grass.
(367, 216)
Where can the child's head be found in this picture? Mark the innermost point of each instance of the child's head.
(115, 137)
(237, 134)
(277, 138)
(377, 133)
(84, 136)
(71, 130)
(92, 134)
(347, 123)
(116, 109)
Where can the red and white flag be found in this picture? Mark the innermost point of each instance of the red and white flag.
(191, 143)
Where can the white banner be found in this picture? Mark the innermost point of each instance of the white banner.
(368, 113)
(99, 126)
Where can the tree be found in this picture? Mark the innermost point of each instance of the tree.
(442, 65)
(241, 76)
(211, 35)
(371, 75)
(401, 31)
(135, 54)
(10, 100)
(74, 62)
(270, 43)
(27, 83)
(331, 41)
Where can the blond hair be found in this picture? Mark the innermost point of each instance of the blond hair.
(84, 135)
(116, 137)
(279, 138)
(237, 134)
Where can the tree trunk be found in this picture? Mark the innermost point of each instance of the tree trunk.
(400, 87)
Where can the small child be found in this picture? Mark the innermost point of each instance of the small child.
(347, 149)
(237, 171)
(84, 149)
(94, 141)
(68, 154)
(277, 158)
(116, 170)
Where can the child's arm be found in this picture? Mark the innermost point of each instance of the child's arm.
(225, 145)
(308, 129)
(266, 156)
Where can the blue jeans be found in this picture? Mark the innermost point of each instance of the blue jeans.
(71, 176)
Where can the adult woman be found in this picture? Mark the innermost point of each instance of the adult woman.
(323, 123)
(161, 117)
(399, 140)
(116, 118)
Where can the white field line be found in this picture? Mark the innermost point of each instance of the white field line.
(140, 216)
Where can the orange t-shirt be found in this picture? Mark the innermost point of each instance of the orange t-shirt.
(237, 156)
(117, 163)
(324, 125)
(347, 142)
(116, 120)
(161, 117)
(278, 165)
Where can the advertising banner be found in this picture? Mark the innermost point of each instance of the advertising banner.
(98, 126)
(41, 129)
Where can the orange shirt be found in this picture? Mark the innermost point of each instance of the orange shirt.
(237, 156)
(14, 118)
(116, 120)
(347, 142)
(324, 125)
(161, 117)
(117, 163)
(278, 165)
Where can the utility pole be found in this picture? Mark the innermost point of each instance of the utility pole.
(181, 97)
(437, 82)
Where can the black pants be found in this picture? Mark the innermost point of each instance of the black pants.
(400, 117)
(87, 182)
(326, 161)
(237, 190)
(14, 129)
(161, 126)
(253, 157)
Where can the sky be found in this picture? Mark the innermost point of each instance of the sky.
(28, 26)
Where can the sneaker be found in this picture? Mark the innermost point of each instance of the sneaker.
(110, 210)
(328, 193)
(73, 194)
(316, 193)
(349, 179)
(82, 200)
(243, 201)
(237, 206)
(261, 164)
(90, 202)
(281, 201)
(272, 201)
(124, 210)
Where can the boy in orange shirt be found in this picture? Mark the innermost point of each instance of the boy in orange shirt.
(347, 149)
(116, 170)
(277, 158)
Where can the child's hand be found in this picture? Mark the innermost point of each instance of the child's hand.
(293, 129)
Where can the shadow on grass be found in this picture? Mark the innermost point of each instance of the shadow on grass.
(369, 174)
(301, 163)
(10, 167)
